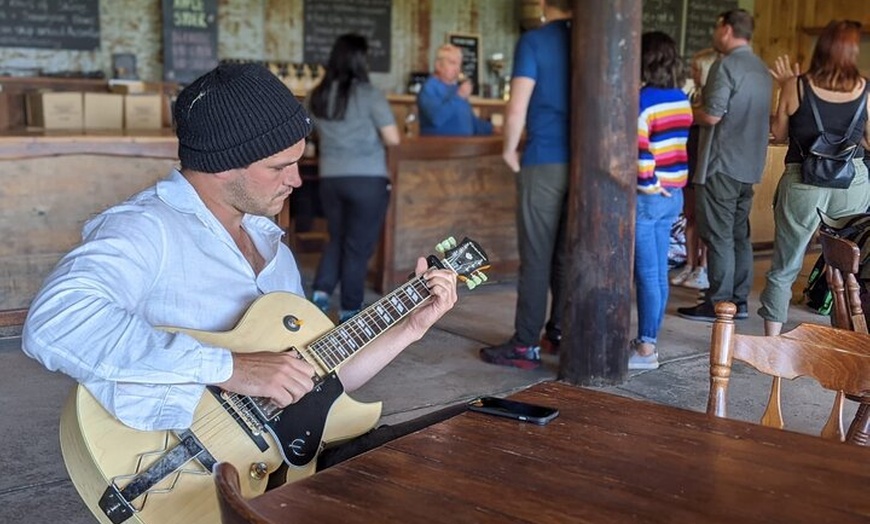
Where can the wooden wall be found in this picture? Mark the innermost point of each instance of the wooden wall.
(788, 26)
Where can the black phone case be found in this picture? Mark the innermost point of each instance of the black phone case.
(522, 411)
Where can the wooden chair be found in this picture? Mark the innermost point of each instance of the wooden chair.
(234, 508)
(842, 265)
(837, 359)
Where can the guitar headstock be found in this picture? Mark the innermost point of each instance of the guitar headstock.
(467, 259)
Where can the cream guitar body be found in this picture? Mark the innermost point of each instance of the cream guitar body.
(164, 477)
(100, 452)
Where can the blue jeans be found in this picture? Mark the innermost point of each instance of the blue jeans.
(655, 216)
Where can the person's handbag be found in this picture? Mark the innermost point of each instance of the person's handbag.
(828, 163)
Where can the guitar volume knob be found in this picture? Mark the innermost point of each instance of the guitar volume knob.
(259, 470)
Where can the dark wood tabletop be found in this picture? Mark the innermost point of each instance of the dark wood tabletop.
(604, 459)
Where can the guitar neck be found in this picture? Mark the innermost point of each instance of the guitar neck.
(342, 342)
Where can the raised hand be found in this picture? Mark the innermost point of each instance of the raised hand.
(783, 71)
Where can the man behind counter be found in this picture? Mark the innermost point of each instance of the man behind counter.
(443, 99)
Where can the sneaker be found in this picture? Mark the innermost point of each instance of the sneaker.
(638, 361)
(742, 311)
(321, 300)
(509, 354)
(697, 279)
(681, 276)
(703, 312)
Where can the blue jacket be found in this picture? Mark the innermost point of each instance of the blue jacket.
(444, 113)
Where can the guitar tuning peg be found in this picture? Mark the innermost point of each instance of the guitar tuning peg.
(470, 284)
(451, 241)
(439, 247)
(477, 280)
(482, 276)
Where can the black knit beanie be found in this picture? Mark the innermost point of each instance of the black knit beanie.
(235, 115)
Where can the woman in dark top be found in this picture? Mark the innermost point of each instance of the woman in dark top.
(838, 88)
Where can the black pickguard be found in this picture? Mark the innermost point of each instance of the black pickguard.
(299, 428)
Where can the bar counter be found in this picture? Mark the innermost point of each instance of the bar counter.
(442, 186)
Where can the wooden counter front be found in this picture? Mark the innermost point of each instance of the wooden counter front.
(445, 186)
(52, 183)
(761, 214)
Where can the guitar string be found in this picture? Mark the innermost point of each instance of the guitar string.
(333, 352)
(360, 329)
(213, 422)
(328, 347)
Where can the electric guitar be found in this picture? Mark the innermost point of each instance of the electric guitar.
(159, 477)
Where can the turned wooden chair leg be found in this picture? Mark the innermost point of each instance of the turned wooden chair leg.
(859, 430)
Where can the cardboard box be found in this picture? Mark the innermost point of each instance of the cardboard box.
(50, 110)
(104, 111)
(126, 87)
(143, 111)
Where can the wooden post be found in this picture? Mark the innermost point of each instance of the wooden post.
(601, 209)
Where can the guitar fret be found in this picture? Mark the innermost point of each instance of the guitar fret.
(351, 336)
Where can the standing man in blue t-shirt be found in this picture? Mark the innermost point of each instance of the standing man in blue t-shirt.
(540, 99)
(443, 99)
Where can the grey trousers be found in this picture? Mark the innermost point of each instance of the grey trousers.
(796, 221)
(723, 205)
(541, 215)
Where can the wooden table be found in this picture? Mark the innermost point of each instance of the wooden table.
(605, 459)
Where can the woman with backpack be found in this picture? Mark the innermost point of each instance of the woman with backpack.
(831, 96)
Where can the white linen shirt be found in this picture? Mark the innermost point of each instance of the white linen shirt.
(159, 259)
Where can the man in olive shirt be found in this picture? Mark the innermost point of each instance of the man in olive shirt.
(734, 135)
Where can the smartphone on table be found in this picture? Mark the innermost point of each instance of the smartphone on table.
(514, 409)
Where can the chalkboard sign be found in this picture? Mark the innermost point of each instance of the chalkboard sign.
(665, 16)
(700, 22)
(689, 22)
(189, 39)
(471, 52)
(326, 20)
(50, 24)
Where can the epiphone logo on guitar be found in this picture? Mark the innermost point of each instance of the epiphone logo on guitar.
(297, 447)
(117, 470)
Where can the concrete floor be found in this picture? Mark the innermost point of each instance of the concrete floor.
(440, 370)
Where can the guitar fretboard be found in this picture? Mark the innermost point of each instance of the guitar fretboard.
(342, 342)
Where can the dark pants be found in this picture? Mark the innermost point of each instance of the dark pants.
(355, 208)
(541, 217)
(723, 206)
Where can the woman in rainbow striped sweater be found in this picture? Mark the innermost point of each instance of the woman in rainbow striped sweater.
(662, 130)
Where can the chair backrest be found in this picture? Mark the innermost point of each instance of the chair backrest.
(837, 359)
(842, 265)
(234, 508)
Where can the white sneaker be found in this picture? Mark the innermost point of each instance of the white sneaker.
(637, 361)
(681, 276)
(698, 279)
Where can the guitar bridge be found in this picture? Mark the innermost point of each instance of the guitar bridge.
(243, 411)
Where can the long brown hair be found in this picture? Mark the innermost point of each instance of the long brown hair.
(834, 65)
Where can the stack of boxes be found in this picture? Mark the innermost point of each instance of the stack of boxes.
(128, 106)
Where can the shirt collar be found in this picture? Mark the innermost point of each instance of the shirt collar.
(177, 192)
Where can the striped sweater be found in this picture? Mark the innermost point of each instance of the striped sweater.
(662, 131)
